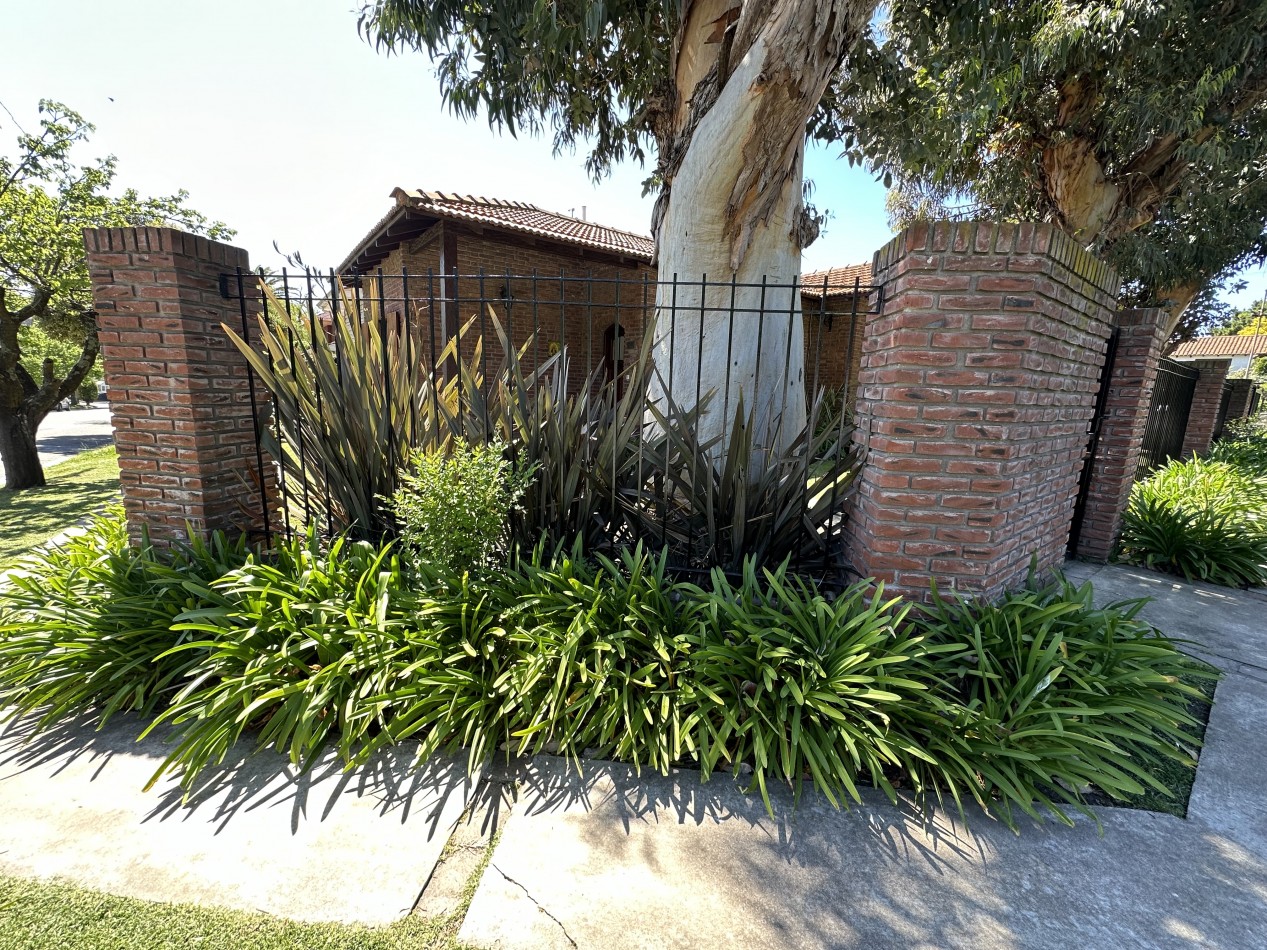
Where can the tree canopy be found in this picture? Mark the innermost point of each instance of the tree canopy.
(1137, 126)
(587, 71)
(47, 198)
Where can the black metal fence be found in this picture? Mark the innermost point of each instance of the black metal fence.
(580, 337)
(1167, 415)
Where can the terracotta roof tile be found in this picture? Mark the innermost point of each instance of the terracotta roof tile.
(528, 219)
(838, 280)
(1217, 346)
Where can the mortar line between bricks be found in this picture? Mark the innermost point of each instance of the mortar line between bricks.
(540, 906)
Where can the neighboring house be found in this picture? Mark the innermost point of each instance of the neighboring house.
(1241, 350)
(593, 290)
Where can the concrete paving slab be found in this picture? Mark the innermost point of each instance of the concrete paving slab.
(327, 845)
(1230, 792)
(1228, 625)
(616, 861)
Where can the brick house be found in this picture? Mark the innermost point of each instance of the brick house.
(593, 290)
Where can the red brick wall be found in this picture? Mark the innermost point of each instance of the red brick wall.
(1206, 402)
(978, 381)
(178, 387)
(1141, 338)
(1242, 398)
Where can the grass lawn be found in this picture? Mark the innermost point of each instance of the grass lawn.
(75, 489)
(36, 915)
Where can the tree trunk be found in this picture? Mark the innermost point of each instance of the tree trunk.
(747, 78)
(21, 457)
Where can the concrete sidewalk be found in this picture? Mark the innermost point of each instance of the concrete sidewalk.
(326, 845)
(616, 861)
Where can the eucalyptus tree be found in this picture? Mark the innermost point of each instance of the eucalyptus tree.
(46, 200)
(720, 92)
(1137, 126)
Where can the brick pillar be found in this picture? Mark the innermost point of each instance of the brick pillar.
(1141, 338)
(978, 381)
(1207, 399)
(178, 386)
(1242, 397)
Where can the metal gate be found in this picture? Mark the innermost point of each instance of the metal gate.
(1167, 415)
(1093, 442)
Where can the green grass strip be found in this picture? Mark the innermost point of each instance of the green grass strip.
(76, 488)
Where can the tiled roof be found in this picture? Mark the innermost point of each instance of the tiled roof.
(529, 219)
(837, 280)
(1216, 346)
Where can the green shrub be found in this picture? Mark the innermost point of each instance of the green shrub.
(606, 650)
(452, 509)
(90, 621)
(289, 647)
(1047, 695)
(1247, 452)
(1204, 520)
(798, 686)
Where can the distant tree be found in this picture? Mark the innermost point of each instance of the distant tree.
(46, 200)
(722, 91)
(1139, 127)
(1251, 321)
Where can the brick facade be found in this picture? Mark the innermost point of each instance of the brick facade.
(600, 290)
(1241, 399)
(1141, 338)
(178, 386)
(1207, 400)
(977, 384)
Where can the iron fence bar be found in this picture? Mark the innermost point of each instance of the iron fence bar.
(388, 395)
(313, 343)
(255, 413)
(411, 369)
(294, 372)
(277, 420)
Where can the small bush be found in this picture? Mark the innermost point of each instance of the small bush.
(799, 686)
(289, 648)
(1048, 695)
(90, 621)
(452, 509)
(1247, 452)
(1204, 520)
(607, 649)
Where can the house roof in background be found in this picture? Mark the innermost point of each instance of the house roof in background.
(1221, 346)
(837, 281)
(416, 211)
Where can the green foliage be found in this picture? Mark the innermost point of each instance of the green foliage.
(289, 648)
(796, 685)
(452, 510)
(1016, 705)
(347, 417)
(1206, 520)
(1137, 126)
(763, 506)
(76, 488)
(46, 200)
(37, 344)
(1047, 695)
(606, 656)
(89, 622)
(1244, 447)
(593, 71)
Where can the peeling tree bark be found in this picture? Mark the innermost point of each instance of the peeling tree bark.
(747, 77)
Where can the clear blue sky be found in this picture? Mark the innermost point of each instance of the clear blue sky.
(282, 122)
